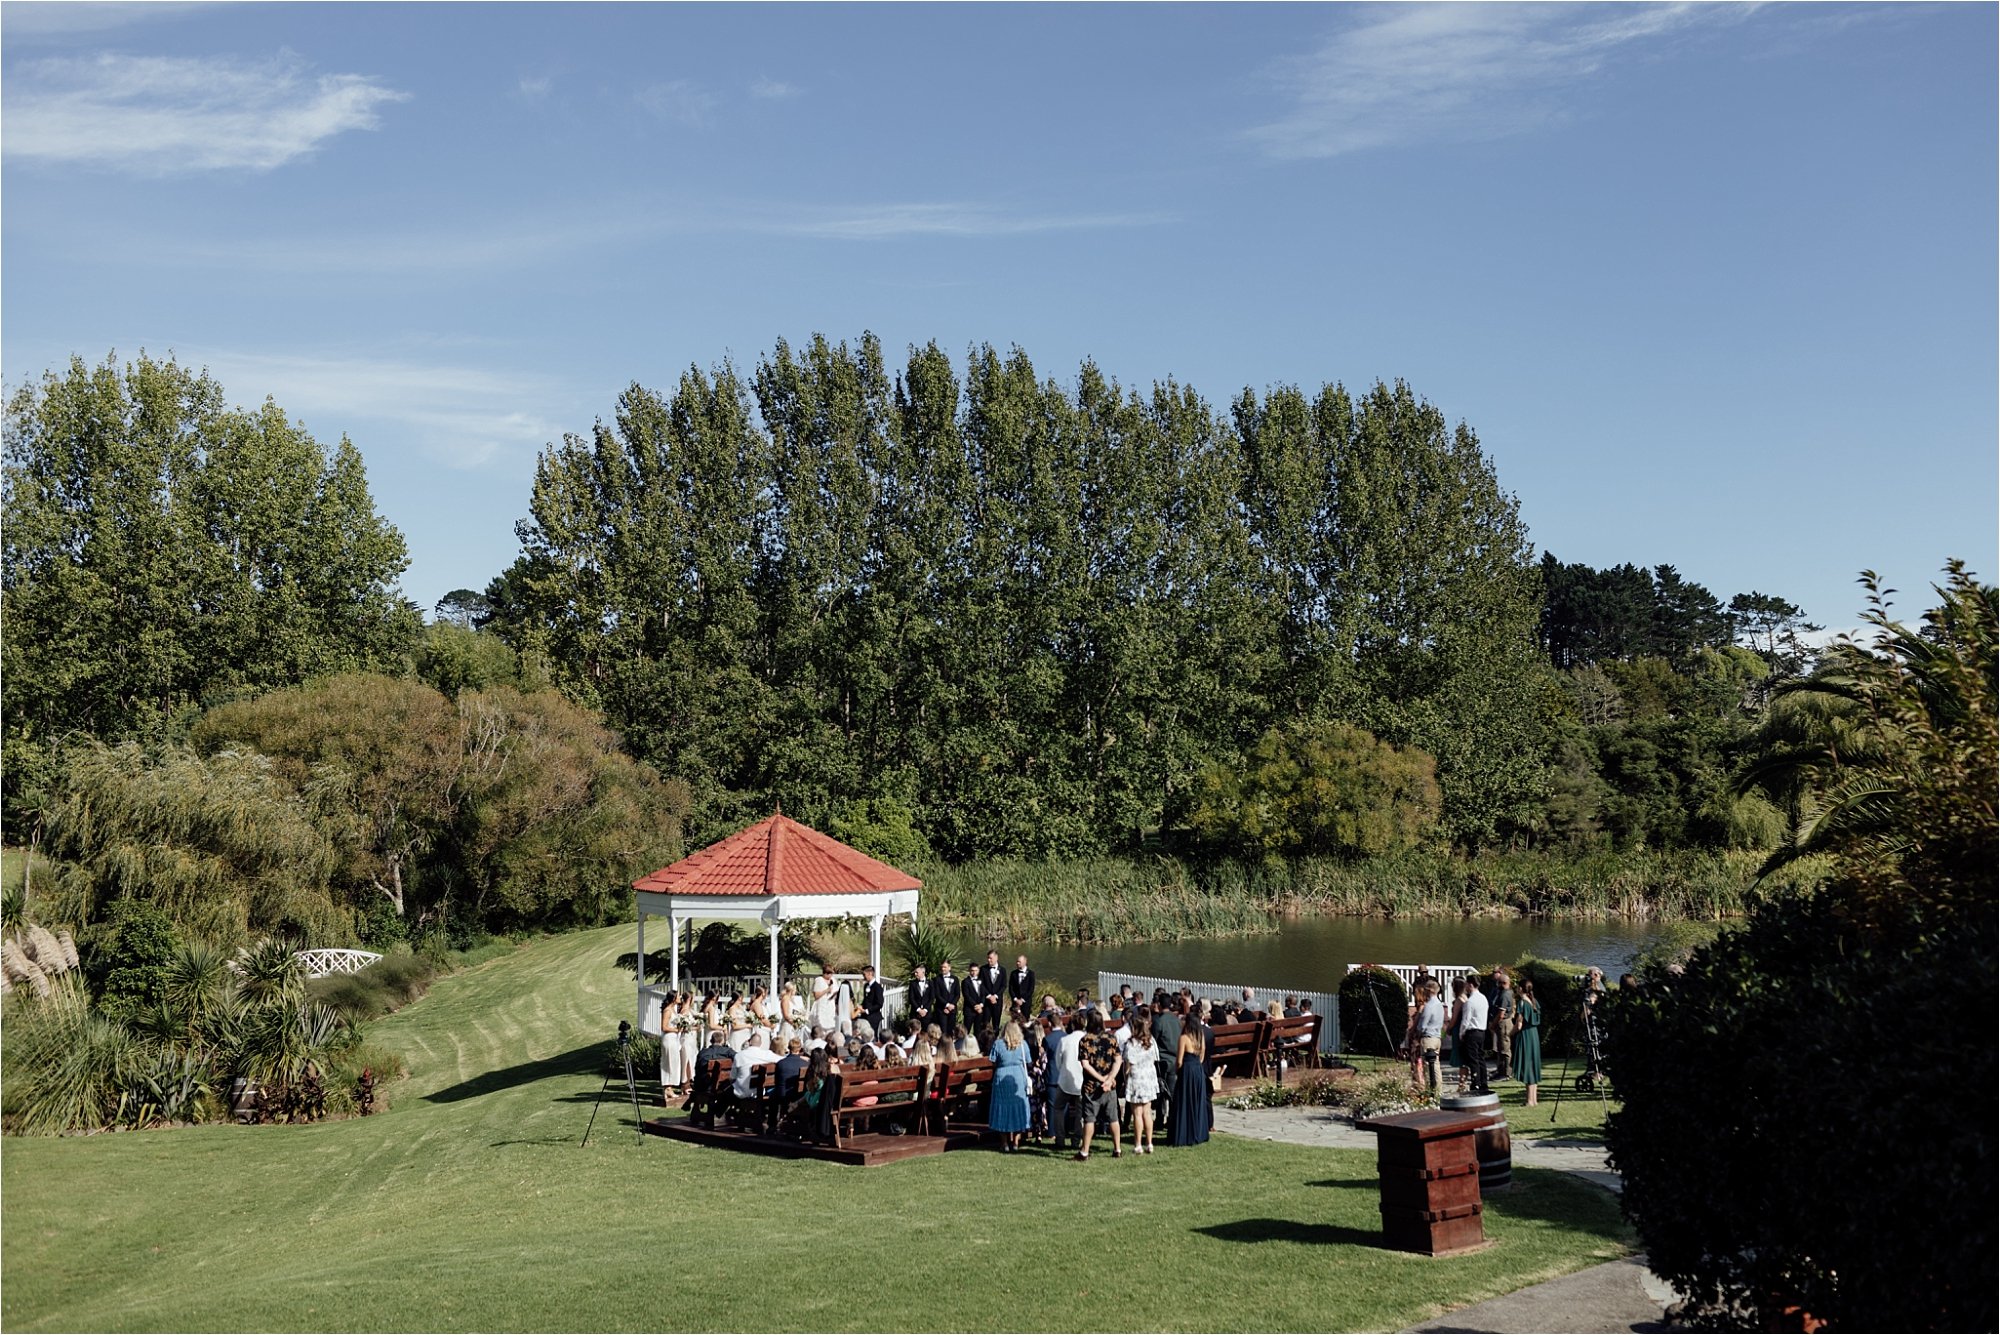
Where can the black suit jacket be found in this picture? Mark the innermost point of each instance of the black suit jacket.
(991, 980)
(946, 986)
(871, 1002)
(1021, 990)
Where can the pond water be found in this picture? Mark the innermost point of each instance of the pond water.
(1314, 952)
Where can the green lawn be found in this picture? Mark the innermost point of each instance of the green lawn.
(470, 1206)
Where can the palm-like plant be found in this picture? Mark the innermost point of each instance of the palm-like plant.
(1881, 733)
(927, 943)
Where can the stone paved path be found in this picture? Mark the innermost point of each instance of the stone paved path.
(1616, 1296)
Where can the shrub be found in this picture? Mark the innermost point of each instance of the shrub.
(1559, 992)
(394, 981)
(343, 1072)
(1864, 1201)
(63, 1063)
(1379, 1095)
(165, 1085)
(1375, 1011)
(129, 957)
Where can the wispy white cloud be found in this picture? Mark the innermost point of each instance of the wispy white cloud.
(1413, 73)
(878, 222)
(677, 100)
(463, 416)
(160, 115)
(487, 245)
(534, 87)
(476, 247)
(774, 90)
(28, 18)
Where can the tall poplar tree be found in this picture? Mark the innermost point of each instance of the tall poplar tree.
(161, 548)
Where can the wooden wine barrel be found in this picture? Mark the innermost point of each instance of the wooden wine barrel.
(1495, 1142)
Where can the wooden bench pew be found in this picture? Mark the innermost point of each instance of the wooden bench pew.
(860, 1097)
(1234, 1048)
(1294, 1039)
(966, 1086)
(711, 1091)
(714, 1095)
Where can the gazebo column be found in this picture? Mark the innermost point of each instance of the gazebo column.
(675, 919)
(640, 966)
(875, 943)
(773, 929)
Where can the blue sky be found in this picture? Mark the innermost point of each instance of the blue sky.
(1715, 285)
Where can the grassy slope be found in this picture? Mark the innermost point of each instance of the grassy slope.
(470, 1205)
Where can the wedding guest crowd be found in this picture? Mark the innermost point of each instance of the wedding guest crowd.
(1065, 1078)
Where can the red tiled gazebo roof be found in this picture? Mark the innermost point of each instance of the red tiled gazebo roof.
(777, 856)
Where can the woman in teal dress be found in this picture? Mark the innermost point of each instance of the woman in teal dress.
(1528, 1039)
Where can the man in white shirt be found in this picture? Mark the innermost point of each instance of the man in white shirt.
(757, 1052)
(1068, 1084)
(1472, 1037)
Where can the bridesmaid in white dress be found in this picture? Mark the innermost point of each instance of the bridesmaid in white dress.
(738, 1022)
(671, 1052)
(791, 1012)
(691, 1038)
(711, 1017)
(764, 1009)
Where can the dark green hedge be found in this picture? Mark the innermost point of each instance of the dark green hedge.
(1374, 1011)
(1808, 1120)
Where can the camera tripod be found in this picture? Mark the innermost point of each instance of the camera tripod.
(631, 1087)
(1591, 1078)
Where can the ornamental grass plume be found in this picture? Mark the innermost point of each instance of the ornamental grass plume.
(21, 969)
(48, 953)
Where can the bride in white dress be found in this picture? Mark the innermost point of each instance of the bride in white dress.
(826, 1001)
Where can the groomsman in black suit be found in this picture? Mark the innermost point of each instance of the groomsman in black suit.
(1021, 988)
(872, 1000)
(949, 998)
(989, 985)
(923, 998)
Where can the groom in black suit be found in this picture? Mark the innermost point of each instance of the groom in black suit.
(1021, 988)
(923, 998)
(989, 985)
(872, 1000)
(948, 999)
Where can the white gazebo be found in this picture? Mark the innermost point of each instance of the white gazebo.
(772, 872)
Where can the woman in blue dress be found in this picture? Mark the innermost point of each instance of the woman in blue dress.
(1007, 1103)
(1528, 1041)
(1189, 1114)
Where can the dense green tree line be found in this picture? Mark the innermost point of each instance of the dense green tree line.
(217, 702)
(1032, 613)
(161, 550)
(964, 609)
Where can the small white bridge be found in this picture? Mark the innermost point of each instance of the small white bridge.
(320, 963)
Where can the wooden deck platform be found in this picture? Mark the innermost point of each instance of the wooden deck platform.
(868, 1150)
